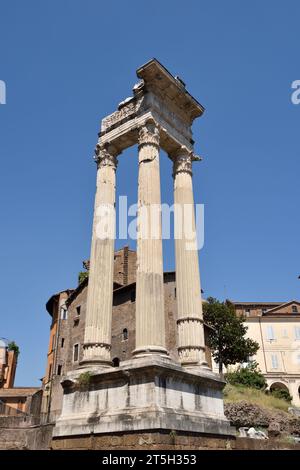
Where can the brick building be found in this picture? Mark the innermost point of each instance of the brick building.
(8, 365)
(67, 310)
(14, 400)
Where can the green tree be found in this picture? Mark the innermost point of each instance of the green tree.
(227, 336)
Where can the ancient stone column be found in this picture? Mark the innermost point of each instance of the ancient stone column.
(150, 318)
(191, 346)
(97, 337)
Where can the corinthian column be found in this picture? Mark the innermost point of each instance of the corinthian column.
(97, 336)
(191, 346)
(150, 318)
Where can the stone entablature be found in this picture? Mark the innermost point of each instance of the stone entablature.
(158, 97)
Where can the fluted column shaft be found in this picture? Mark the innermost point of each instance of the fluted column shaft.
(191, 345)
(150, 318)
(97, 336)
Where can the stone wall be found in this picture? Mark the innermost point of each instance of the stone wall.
(151, 441)
(23, 433)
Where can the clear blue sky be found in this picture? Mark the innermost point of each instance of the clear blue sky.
(67, 64)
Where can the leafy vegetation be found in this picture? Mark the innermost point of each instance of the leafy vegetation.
(248, 384)
(281, 393)
(82, 275)
(12, 346)
(227, 336)
(84, 380)
(249, 376)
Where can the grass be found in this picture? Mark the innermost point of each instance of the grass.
(236, 393)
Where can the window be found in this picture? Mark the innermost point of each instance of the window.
(297, 332)
(270, 333)
(50, 372)
(59, 368)
(124, 334)
(247, 312)
(132, 296)
(175, 292)
(263, 310)
(62, 342)
(298, 359)
(274, 361)
(116, 362)
(285, 333)
(294, 309)
(78, 310)
(63, 313)
(75, 352)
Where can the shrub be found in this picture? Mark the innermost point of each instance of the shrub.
(82, 275)
(12, 346)
(84, 380)
(281, 393)
(248, 376)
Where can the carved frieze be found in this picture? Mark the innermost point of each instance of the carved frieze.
(125, 112)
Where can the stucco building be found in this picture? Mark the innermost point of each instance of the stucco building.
(276, 328)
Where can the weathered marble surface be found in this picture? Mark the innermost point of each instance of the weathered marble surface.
(144, 393)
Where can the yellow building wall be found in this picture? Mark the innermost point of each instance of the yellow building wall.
(279, 354)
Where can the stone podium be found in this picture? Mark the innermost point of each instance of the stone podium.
(149, 392)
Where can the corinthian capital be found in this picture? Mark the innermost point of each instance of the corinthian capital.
(106, 156)
(149, 134)
(182, 161)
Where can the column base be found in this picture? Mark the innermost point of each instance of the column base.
(148, 351)
(96, 355)
(94, 363)
(196, 365)
(150, 393)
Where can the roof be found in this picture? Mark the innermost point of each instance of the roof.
(18, 391)
(275, 311)
(54, 298)
(272, 311)
(132, 284)
(77, 291)
(156, 76)
(255, 303)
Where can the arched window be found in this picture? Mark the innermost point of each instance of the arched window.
(125, 334)
(280, 390)
(116, 362)
(278, 386)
